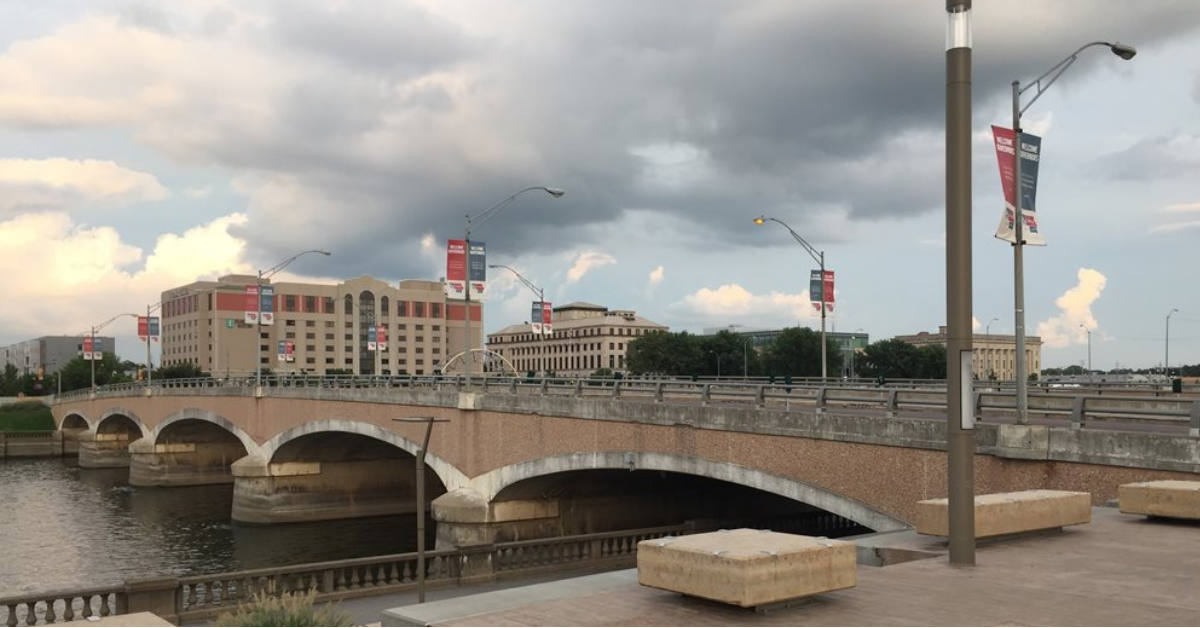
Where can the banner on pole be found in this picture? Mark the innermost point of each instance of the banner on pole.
(87, 348)
(456, 269)
(547, 326)
(251, 305)
(815, 289)
(371, 343)
(267, 305)
(143, 327)
(477, 271)
(827, 290)
(381, 337)
(154, 328)
(1031, 152)
(535, 318)
(282, 355)
(289, 349)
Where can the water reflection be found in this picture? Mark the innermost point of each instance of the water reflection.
(66, 527)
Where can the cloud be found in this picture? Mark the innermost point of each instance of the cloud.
(1075, 309)
(656, 276)
(585, 262)
(44, 183)
(1179, 225)
(362, 126)
(731, 303)
(1182, 208)
(975, 324)
(86, 274)
(1153, 158)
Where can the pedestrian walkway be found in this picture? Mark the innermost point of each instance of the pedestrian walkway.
(1118, 570)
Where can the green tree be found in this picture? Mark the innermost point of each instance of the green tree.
(8, 383)
(179, 371)
(797, 351)
(733, 353)
(665, 353)
(77, 373)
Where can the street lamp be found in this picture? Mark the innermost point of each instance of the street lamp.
(819, 256)
(479, 219)
(987, 330)
(428, 421)
(267, 274)
(541, 301)
(1167, 348)
(1049, 76)
(96, 328)
(718, 356)
(853, 351)
(1089, 337)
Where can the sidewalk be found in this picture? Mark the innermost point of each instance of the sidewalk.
(1118, 570)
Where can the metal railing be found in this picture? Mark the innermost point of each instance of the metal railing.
(1081, 406)
(198, 597)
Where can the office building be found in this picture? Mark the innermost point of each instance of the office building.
(49, 353)
(585, 338)
(992, 356)
(205, 323)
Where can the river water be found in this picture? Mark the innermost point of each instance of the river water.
(62, 527)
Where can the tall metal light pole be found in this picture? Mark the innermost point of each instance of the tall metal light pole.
(960, 412)
(420, 457)
(1049, 76)
(473, 221)
(266, 274)
(819, 257)
(92, 335)
(1089, 338)
(541, 300)
(987, 331)
(1167, 347)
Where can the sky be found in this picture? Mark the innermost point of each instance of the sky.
(144, 145)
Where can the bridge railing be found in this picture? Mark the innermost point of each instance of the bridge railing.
(1081, 406)
(195, 598)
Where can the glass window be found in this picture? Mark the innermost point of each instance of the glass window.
(383, 307)
(289, 303)
(435, 310)
(328, 305)
(366, 320)
(419, 309)
(310, 304)
(348, 305)
(401, 308)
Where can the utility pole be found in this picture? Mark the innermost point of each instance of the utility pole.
(960, 412)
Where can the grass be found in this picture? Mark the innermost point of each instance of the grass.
(289, 609)
(26, 416)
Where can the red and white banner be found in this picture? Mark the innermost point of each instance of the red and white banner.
(87, 348)
(143, 327)
(252, 305)
(547, 326)
(827, 290)
(456, 269)
(381, 337)
(290, 350)
(1031, 147)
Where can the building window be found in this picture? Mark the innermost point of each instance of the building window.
(329, 324)
(419, 309)
(291, 322)
(329, 360)
(366, 320)
(310, 304)
(402, 309)
(328, 303)
(289, 303)
(312, 336)
(383, 307)
(310, 323)
(329, 348)
(348, 305)
(310, 347)
(437, 328)
(351, 336)
(435, 310)
(329, 336)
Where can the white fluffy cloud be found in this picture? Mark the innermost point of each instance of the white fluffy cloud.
(732, 304)
(656, 276)
(86, 274)
(42, 183)
(1175, 211)
(1075, 309)
(585, 262)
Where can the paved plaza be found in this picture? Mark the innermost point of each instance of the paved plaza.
(1117, 570)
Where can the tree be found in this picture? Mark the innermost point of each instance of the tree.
(77, 373)
(179, 371)
(733, 353)
(900, 360)
(8, 383)
(665, 353)
(797, 351)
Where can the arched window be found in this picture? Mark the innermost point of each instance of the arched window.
(349, 305)
(366, 320)
(383, 307)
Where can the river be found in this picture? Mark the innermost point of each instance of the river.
(62, 527)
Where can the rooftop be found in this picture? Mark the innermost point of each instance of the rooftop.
(1117, 570)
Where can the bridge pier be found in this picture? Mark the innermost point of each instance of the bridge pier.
(103, 450)
(70, 440)
(182, 464)
(297, 491)
(465, 518)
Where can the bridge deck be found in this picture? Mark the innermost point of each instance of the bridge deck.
(1119, 570)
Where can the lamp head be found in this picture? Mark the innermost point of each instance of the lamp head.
(555, 192)
(325, 253)
(1124, 51)
(760, 220)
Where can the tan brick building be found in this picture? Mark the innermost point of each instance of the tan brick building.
(586, 337)
(203, 323)
(992, 355)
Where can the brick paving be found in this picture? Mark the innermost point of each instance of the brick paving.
(1118, 570)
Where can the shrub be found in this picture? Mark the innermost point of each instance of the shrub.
(289, 609)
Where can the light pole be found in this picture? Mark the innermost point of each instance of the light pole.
(473, 221)
(428, 421)
(541, 303)
(960, 415)
(987, 330)
(1049, 76)
(1089, 337)
(1167, 348)
(96, 328)
(853, 351)
(267, 274)
(717, 355)
(819, 256)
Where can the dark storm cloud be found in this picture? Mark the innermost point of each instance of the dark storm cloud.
(788, 107)
(1150, 159)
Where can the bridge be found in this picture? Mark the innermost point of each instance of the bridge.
(523, 459)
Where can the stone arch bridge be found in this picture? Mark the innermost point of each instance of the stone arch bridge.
(509, 466)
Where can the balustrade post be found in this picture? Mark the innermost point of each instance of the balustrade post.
(154, 596)
(616, 389)
(977, 404)
(893, 398)
(545, 386)
(760, 396)
(1078, 412)
(705, 395)
(819, 402)
(658, 392)
(579, 387)
(1194, 425)
(512, 386)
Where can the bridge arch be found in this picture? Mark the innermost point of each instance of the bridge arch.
(208, 416)
(451, 477)
(490, 484)
(74, 420)
(116, 414)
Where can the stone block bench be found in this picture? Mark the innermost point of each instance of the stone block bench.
(1000, 514)
(1162, 498)
(746, 567)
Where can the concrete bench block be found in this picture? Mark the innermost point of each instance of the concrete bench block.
(1161, 498)
(746, 567)
(998, 514)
